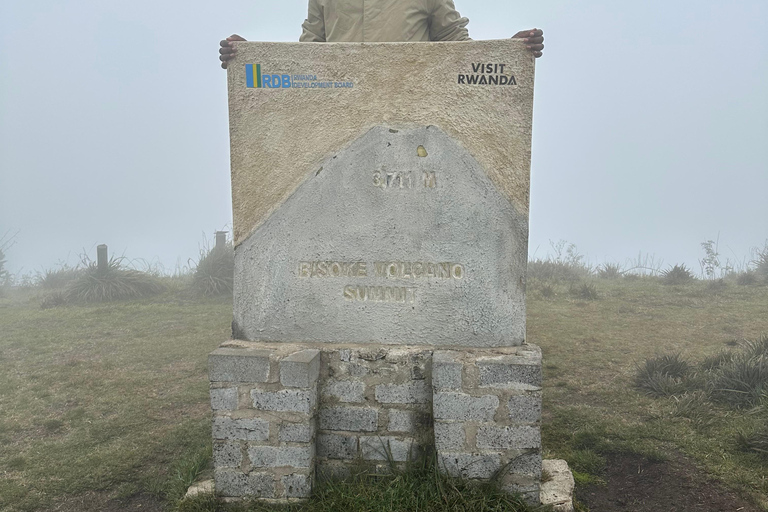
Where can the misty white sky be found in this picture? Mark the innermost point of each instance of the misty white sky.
(650, 124)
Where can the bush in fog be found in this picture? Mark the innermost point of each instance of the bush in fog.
(115, 282)
(214, 274)
(4, 275)
(679, 274)
(55, 279)
(761, 262)
(566, 265)
(610, 271)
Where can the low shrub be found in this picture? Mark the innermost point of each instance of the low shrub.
(678, 274)
(747, 278)
(54, 300)
(113, 283)
(215, 271)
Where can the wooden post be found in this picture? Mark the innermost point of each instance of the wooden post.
(221, 240)
(102, 258)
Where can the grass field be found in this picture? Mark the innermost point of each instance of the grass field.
(110, 401)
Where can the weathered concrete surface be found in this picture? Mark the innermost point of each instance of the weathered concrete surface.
(557, 492)
(385, 246)
(280, 136)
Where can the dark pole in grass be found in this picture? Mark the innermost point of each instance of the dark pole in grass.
(101, 258)
(221, 240)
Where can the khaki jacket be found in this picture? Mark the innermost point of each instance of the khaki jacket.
(383, 21)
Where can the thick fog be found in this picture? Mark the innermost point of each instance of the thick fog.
(650, 124)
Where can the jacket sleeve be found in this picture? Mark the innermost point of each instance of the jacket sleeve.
(445, 22)
(314, 26)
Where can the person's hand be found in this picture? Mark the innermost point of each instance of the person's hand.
(534, 40)
(227, 50)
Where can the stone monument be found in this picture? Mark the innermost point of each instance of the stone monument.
(380, 195)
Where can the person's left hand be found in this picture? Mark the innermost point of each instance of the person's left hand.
(534, 39)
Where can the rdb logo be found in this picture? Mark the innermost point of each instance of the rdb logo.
(255, 80)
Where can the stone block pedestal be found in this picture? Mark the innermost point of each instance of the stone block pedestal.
(286, 412)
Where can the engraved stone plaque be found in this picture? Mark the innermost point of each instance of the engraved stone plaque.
(380, 192)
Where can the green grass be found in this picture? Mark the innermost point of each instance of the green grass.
(419, 488)
(96, 397)
(112, 398)
(592, 350)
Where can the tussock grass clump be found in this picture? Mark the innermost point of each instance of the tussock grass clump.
(666, 375)
(737, 378)
(678, 274)
(747, 278)
(761, 262)
(694, 407)
(741, 381)
(610, 271)
(585, 291)
(215, 271)
(756, 442)
(54, 300)
(5, 276)
(113, 283)
(55, 279)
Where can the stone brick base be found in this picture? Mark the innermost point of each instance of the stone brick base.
(284, 412)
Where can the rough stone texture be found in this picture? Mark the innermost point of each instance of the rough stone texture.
(198, 488)
(446, 371)
(287, 400)
(558, 490)
(253, 429)
(504, 438)
(297, 486)
(388, 448)
(416, 392)
(293, 131)
(297, 433)
(281, 456)
(347, 391)
(526, 464)
(235, 483)
(378, 414)
(353, 419)
(224, 399)
(403, 421)
(525, 408)
(335, 446)
(227, 455)
(479, 303)
(238, 365)
(459, 406)
(468, 465)
(300, 370)
(521, 371)
(449, 436)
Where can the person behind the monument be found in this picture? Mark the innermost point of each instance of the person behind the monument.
(385, 21)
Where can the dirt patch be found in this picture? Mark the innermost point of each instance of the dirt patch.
(636, 484)
(98, 502)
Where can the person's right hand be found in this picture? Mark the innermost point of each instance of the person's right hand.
(227, 50)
